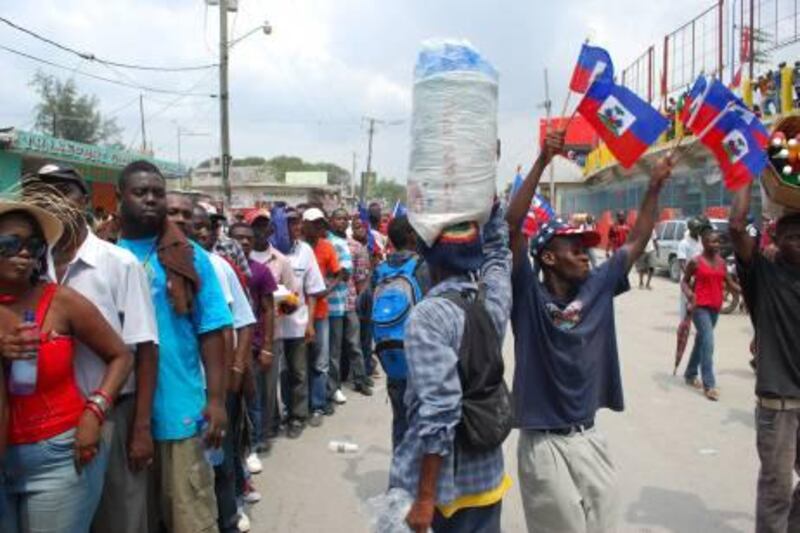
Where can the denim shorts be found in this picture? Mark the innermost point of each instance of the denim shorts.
(44, 490)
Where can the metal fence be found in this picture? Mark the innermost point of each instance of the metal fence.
(639, 75)
(775, 23)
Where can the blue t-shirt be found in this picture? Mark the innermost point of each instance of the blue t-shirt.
(180, 395)
(567, 365)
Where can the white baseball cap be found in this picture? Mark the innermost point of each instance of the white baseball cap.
(313, 214)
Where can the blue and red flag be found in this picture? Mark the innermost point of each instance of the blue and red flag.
(363, 215)
(399, 210)
(594, 63)
(626, 123)
(737, 146)
(540, 212)
(708, 98)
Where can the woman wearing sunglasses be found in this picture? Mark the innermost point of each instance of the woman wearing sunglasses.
(52, 480)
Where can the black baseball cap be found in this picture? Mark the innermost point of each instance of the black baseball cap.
(56, 172)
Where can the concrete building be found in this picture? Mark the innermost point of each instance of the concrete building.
(253, 186)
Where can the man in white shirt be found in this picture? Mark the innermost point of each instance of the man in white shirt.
(297, 329)
(116, 283)
(689, 248)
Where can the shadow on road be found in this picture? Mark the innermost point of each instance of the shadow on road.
(370, 483)
(683, 511)
(666, 381)
(744, 373)
(740, 416)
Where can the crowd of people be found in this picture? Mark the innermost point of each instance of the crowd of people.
(141, 379)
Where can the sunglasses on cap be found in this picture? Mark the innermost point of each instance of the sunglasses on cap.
(11, 245)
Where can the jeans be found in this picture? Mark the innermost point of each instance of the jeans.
(320, 365)
(228, 476)
(294, 380)
(397, 391)
(778, 498)
(263, 408)
(366, 346)
(705, 320)
(44, 493)
(346, 340)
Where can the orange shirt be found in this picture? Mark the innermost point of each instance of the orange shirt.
(329, 266)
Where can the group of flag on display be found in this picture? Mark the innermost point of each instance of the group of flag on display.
(629, 125)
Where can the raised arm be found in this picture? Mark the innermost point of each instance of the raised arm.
(648, 212)
(743, 244)
(521, 202)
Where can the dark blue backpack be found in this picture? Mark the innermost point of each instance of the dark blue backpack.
(397, 291)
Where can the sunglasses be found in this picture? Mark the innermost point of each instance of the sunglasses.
(11, 245)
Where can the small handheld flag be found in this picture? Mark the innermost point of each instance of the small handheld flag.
(399, 210)
(626, 123)
(594, 63)
(539, 213)
(363, 215)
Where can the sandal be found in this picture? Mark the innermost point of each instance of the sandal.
(712, 394)
(694, 383)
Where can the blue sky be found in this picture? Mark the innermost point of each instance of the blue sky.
(304, 89)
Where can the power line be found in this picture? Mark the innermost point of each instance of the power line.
(92, 57)
(101, 78)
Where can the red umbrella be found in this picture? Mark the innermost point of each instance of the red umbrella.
(684, 328)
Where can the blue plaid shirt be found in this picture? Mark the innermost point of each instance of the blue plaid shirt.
(433, 394)
(337, 298)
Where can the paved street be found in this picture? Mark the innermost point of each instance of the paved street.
(685, 464)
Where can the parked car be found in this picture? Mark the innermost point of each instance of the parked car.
(671, 232)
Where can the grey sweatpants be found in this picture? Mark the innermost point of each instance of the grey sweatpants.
(568, 483)
(778, 499)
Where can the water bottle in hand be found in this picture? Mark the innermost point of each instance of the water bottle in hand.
(23, 371)
(214, 456)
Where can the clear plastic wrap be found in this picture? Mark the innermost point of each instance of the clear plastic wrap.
(388, 511)
(453, 162)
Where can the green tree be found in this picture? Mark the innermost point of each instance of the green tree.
(388, 190)
(253, 161)
(63, 112)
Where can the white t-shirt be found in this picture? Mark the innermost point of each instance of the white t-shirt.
(116, 283)
(235, 296)
(308, 280)
(689, 248)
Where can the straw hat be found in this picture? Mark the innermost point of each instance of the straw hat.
(50, 225)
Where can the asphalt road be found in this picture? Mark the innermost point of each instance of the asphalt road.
(685, 464)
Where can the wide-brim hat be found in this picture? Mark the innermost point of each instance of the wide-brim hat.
(51, 227)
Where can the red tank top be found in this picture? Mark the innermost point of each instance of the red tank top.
(57, 403)
(709, 281)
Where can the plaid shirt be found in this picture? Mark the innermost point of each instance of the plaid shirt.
(362, 271)
(230, 249)
(337, 298)
(433, 396)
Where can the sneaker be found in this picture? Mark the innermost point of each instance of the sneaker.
(694, 383)
(712, 394)
(244, 522)
(316, 419)
(295, 429)
(363, 389)
(339, 397)
(329, 409)
(254, 465)
(252, 497)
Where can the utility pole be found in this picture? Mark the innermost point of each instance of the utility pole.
(365, 178)
(353, 177)
(141, 115)
(225, 155)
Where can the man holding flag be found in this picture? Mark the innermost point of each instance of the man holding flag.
(567, 365)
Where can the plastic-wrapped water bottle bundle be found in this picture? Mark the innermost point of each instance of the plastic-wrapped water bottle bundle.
(453, 160)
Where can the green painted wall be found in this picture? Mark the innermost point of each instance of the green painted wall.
(10, 170)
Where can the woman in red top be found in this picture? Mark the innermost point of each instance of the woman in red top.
(703, 284)
(52, 477)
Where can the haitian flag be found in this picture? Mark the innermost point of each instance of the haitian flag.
(593, 63)
(363, 216)
(516, 184)
(734, 142)
(399, 210)
(626, 123)
(708, 98)
(539, 213)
